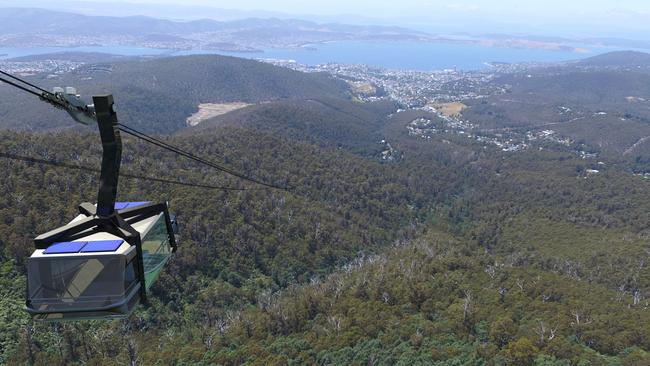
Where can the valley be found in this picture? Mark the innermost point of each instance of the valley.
(495, 217)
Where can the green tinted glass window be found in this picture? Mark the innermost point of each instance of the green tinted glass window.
(155, 250)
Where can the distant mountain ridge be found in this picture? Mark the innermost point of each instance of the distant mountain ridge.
(39, 27)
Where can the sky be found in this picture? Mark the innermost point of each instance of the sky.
(543, 17)
(415, 8)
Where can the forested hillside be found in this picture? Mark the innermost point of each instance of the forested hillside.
(158, 95)
(324, 121)
(618, 59)
(536, 99)
(454, 253)
(601, 102)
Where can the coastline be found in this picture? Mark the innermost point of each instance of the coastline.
(420, 55)
(492, 43)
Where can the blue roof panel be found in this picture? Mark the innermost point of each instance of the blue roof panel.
(125, 205)
(121, 205)
(65, 247)
(102, 246)
(136, 204)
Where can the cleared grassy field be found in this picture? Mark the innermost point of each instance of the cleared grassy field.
(210, 110)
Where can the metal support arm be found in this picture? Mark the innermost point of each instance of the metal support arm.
(112, 154)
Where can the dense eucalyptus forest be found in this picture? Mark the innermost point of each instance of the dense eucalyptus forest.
(452, 253)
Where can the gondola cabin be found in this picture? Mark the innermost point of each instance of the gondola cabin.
(99, 267)
(101, 264)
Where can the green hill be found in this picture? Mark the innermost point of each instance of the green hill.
(607, 108)
(619, 59)
(158, 95)
(327, 122)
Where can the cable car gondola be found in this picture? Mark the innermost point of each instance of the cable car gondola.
(101, 264)
(86, 270)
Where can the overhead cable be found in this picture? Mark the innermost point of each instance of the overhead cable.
(125, 175)
(152, 140)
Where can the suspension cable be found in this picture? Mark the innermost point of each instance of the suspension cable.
(20, 87)
(58, 164)
(152, 140)
(25, 82)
